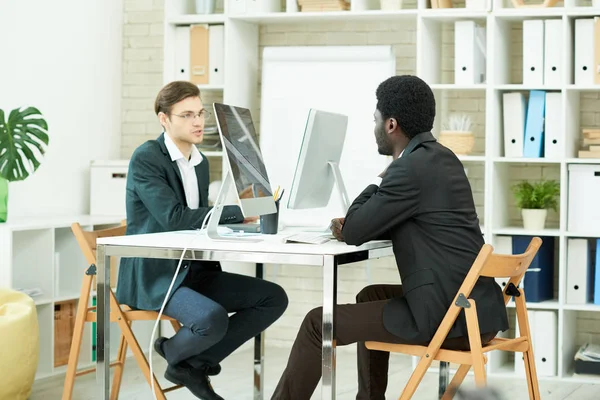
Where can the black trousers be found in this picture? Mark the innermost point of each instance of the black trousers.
(202, 305)
(355, 323)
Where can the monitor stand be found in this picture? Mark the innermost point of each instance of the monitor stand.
(213, 222)
(339, 183)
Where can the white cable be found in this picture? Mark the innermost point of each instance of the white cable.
(167, 296)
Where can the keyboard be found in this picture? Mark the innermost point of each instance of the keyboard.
(309, 238)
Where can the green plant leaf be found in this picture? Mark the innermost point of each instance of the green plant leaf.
(539, 195)
(23, 141)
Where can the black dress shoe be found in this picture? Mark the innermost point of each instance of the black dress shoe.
(207, 369)
(194, 380)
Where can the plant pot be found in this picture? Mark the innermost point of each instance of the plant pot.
(459, 142)
(389, 5)
(534, 219)
(3, 200)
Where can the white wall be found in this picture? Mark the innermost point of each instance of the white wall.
(63, 57)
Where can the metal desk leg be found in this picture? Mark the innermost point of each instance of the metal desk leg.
(329, 302)
(444, 376)
(103, 323)
(259, 352)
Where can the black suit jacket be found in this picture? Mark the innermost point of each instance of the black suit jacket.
(155, 202)
(425, 206)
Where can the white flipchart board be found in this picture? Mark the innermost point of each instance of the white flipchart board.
(340, 79)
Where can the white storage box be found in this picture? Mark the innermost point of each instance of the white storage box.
(584, 192)
(108, 180)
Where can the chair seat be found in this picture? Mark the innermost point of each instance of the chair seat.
(456, 356)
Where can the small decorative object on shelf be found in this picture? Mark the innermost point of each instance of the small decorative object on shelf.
(590, 144)
(441, 3)
(457, 135)
(323, 5)
(23, 139)
(534, 200)
(205, 6)
(544, 3)
(389, 5)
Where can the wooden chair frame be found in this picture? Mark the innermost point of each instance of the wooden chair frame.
(123, 315)
(486, 264)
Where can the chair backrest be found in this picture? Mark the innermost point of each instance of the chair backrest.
(87, 239)
(492, 265)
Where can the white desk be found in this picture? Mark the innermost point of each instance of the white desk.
(271, 250)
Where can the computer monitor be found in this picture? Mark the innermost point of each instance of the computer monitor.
(245, 166)
(318, 169)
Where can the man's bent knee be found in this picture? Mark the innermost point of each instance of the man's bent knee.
(212, 325)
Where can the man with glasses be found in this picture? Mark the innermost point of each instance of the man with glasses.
(167, 190)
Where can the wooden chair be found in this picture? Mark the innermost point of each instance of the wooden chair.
(486, 264)
(121, 314)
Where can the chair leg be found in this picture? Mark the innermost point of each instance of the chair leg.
(82, 309)
(531, 373)
(416, 377)
(135, 348)
(457, 380)
(119, 367)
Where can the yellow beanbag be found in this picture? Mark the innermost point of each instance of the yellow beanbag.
(19, 344)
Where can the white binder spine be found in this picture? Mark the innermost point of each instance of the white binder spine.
(553, 63)
(182, 53)
(584, 51)
(514, 112)
(216, 51)
(533, 52)
(554, 143)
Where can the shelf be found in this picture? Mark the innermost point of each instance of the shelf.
(34, 222)
(452, 86)
(582, 12)
(453, 14)
(189, 19)
(584, 88)
(520, 14)
(543, 305)
(471, 158)
(520, 86)
(582, 307)
(516, 231)
(212, 153)
(523, 160)
(582, 161)
(305, 17)
(211, 87)
(582, 235)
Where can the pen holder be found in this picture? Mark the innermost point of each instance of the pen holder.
(269, 223)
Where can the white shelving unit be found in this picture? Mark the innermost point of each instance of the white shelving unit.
(42, 253)
(503, 65)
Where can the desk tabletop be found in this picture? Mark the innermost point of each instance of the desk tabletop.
(196, 240)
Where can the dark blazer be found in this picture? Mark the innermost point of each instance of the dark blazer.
(425, 206)
(156, 202)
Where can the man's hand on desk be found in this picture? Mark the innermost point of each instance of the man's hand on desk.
(336, 228)
(250, 220)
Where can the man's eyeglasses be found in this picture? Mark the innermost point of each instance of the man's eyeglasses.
(189, 116)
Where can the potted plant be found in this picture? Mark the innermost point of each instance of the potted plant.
(534, 200)
(23, 141)
(456, 134)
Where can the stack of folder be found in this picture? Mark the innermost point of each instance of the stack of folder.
(591, 143)
(323, 5)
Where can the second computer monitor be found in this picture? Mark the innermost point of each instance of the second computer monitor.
(317, 170)
(244, 159)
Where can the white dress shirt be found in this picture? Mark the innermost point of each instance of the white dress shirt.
(377, 180)
(187, 170)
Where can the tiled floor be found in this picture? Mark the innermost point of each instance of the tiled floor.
(235, 381)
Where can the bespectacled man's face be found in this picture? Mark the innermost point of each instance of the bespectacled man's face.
(185, 122)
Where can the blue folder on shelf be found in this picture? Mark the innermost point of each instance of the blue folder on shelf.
(596, 274)
(538, 282)
(533, 146)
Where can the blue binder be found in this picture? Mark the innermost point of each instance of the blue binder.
(538, 282)
(596, 275)
(533, 146)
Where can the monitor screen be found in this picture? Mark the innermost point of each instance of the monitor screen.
(242, 152)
